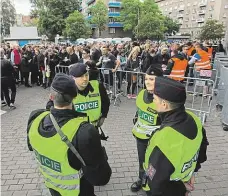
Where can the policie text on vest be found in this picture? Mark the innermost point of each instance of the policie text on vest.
(80, 107)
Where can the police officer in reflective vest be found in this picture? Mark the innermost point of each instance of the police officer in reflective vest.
(145, 121)
(92, 97)
(67, 147)
(176, 150)
(176, 67)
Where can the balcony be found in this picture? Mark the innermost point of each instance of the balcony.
(115, 24)
(201, 12)
(114, 14)
(180, 22)
(199, 20)
(202, 4)
(114, 4)
(90, 1)
(180, 15)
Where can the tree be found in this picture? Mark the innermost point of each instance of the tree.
(129, 14)
(8, 17)
(99, 16)
(171, 26)
(143, 18)
(52, 15)
(212, 30)
(76, 26)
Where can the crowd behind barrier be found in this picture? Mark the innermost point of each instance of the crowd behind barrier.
(38, 64)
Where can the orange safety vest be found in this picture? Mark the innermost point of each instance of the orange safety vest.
(204, 62)
(179, 69)
(189, 53)
(210, 52)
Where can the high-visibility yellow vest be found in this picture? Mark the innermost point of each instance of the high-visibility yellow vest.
(51, 154)
(147, 118)
(181, 151)
(91, 104)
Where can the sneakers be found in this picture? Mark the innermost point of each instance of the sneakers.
(12, 106)
(129, 96)
(3, 103)
(134, 96)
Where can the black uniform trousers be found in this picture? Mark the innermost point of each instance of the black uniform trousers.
(141, 147)
(8, 83)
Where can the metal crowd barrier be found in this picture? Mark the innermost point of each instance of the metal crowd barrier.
(123, 86)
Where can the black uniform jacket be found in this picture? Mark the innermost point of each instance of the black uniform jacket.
(160, 185)
(87, 142)
(105, 102)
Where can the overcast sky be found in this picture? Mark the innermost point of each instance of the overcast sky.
(22, 6)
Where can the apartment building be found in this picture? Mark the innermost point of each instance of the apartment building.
(192, 14)
(113, 29)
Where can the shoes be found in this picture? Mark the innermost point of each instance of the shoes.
(129, 96)
(136, 186)
(27, 85)
(12, 106)
(134, 96)
(3, 103)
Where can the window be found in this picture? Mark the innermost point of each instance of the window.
(112, 30)
(224, 15)
(211, 8)
(226, 6)
(112, 10)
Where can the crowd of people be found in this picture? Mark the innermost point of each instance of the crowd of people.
(36, 64)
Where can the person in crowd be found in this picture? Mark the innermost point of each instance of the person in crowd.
(26, 66)
(34, 67)
(16, 61)
(7, 81)
(73, 58)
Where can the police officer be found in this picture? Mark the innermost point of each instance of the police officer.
(176, 150)
(92, 97)
(146, 120)
(67, 147)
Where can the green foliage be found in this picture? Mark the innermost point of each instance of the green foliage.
(8, 17)
(143, 18)
(99, 15)
(129, 14)
(212, 30)
(33, 23)
(171, 25)
(52, 15)
(76, 26)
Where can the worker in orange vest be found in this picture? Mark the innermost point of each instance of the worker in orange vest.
(209, 49)
(202, 65)
(176, 67)
(191, 49)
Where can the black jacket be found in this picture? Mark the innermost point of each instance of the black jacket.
(7, 69)
(87, 142)
(182, 122)
(96, 55)
(105, 102)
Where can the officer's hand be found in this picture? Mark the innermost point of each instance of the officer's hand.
(100, 122)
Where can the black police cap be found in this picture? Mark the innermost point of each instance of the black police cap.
(78, 69)
(154, 70)
(64, 84)
(170, 90)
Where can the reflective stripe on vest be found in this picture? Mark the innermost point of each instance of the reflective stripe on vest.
(61, 177)
(145, 129)
(181, 151)
(64, 187)
(178, 70)
(204, 62)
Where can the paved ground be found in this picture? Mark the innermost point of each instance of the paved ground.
(20, 177)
